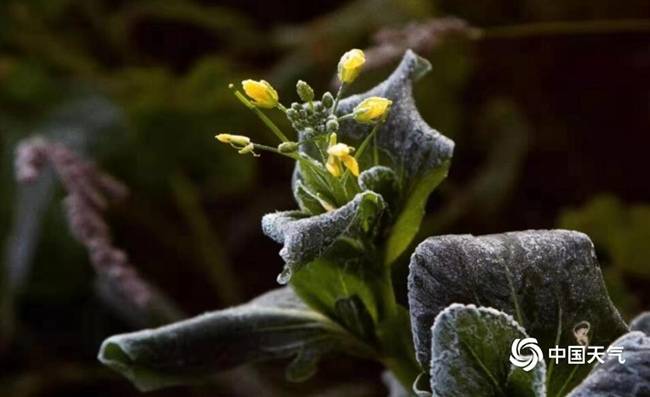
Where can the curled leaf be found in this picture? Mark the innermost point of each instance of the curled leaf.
(307, 238)
(381, 180)
(274, 325)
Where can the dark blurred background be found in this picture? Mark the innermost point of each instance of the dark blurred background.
(548, 103)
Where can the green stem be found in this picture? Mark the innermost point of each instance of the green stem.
(338, 98)
(394, 332)
(375, 150)
(319, 143)
(275, 150)
(567, 381)
(366, 142)
(269, 123)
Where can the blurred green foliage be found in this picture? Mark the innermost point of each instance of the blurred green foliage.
(620, 233)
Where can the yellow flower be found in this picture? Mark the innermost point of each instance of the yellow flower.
(372, 110)
(350, 65)
(261, 92)
(239, 140)
(340, 153)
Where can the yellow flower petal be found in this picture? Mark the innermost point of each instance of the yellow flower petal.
(350, 65)
(261, 92)
(240, 140)
(333, 166)
(372, 110)
(351, 163)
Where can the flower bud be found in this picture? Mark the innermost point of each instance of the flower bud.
(305, 92)
(239, 140)
(288, 147)
(372, 110)
(332, 139)
(261, 92)
(327, 100)
(308, 132)
(350, 65)
(292, 114)
(332, 125)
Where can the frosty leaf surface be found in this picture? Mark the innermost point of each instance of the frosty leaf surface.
(615, 379)
(307, 238)
(470, 349)
(548, 280)
(274, 325)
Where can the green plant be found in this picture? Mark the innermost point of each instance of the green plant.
(470, 298)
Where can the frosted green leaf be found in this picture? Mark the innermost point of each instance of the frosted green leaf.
(308, 201)
(615, 379)
(352, 314)
(307, 238)
(274, 325)
(381, 180)
(549, 281)
(470, 350)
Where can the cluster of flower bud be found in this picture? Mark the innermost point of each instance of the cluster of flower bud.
(313, 117)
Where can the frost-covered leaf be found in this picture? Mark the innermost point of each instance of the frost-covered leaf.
(353, 315)
(381, 180)
(314, 177)
(307, 238)
(615, 379)
(341, 274)
(274, 325)
(470, 350)
(408, 222)
(641, 323)
(308, 201)
(415, 151)
(549, 281)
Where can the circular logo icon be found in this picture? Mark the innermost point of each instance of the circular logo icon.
(525, 353)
